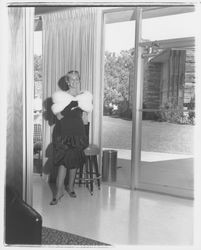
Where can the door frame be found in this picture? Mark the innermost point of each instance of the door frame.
(28, 107)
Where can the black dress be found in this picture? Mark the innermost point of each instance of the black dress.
(69, 138)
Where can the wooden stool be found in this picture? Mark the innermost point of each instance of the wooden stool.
(88, 170)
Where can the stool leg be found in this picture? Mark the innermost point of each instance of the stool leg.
(80, 174)
(40, 163)
(91, 175)
(87, 171)
(96, 170)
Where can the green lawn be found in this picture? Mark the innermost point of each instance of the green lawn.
(156, 136)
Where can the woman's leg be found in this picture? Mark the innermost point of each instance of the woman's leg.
(72, 174)
(59, 185)
(60, 181)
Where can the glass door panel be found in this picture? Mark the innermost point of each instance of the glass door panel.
(117, 110)
(168, 122)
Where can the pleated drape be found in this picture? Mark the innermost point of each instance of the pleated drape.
(68, 44)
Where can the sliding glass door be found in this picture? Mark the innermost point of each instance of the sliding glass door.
(168, 122)
(168, 101)
(117, 99)
(161, 97)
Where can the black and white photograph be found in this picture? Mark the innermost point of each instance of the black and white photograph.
(100, 124)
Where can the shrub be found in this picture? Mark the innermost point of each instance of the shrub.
(176, 115)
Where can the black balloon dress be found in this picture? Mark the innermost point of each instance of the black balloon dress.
(69, 138)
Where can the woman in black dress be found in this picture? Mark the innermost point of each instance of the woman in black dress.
(69, 135)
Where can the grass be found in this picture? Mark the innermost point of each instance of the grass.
(156, 136)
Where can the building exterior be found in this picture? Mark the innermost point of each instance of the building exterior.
(169, 80)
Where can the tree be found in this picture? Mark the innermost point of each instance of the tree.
(37, 68)
(116, 78)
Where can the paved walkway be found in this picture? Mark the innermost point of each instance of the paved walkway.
(163, 169)
(150, 156)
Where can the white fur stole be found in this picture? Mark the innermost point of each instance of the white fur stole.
(61, 99)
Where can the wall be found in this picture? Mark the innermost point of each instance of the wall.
(151, 88)
(176, 78)
(164, 82)
(189, 87)
(14, 158)
(151, 85)
(157, 86)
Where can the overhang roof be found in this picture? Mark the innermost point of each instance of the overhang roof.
(118, 13)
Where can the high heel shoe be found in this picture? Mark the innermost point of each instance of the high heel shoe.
(55, 201)
(71, 193)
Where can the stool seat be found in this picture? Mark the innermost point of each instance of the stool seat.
(92, 150)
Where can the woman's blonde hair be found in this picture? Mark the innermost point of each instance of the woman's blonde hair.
(70, 73)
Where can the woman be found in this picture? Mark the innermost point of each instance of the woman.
(69, 137)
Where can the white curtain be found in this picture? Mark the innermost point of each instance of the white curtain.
(69, 43)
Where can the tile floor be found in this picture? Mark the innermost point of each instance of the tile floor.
(117, 216)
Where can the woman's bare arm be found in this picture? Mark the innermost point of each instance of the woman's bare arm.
(85, 117)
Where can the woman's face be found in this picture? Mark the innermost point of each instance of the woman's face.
(74, 81)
